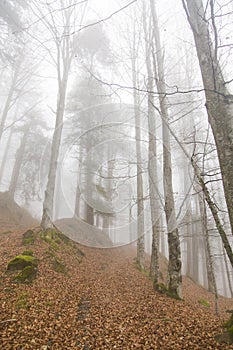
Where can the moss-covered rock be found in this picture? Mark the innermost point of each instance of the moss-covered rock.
(28, 252)
(204, 302)
(50, 236)
(21, 261)
(59, 266)
(29, 237)
(229, 327)
(27, 275)
(226, 337)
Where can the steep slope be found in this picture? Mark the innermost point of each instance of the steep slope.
(99, 302)
(81, 232)
(12, 216)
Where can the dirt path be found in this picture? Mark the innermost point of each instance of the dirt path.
(102, 303)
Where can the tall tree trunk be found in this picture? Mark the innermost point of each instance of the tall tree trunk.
(63, 63)
(18, 163)
(152, 162)
(8, 102)
(209, 261)
(229, 275)
(219, 101)
(189, 241)
(5, 155)
(140, 204)
(174, 265)
(46, 221)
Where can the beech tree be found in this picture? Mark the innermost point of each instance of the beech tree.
(152, 157)
(219, 100)
(174, 264)
(62, 41)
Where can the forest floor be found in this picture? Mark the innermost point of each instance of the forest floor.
(100, 301)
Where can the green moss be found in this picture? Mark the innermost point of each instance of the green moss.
(230, 331)
(54, 238)
(229, 323)
(27, 275)
(161, 288)
(204, 302)
(22, 302)
(28, 252)
(63, 237)
(50, 236)
(21, 261)
(229, 326)
(29, 237)
(227, 337)
(58, 266)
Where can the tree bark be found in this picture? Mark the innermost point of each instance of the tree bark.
(140, 204)
(219, 102)
(152, 161)
(209, 262)
(174, 265)
(17, 165)
(8, 105)
(46, 221)
(5, 156)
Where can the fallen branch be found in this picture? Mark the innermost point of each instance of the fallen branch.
(10, 320)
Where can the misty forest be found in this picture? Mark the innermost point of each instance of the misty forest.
(116, 174)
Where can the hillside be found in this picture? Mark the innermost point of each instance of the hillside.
(77, 230)
(12, 215)
(97, 300)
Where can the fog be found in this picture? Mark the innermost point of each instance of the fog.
(81, 107)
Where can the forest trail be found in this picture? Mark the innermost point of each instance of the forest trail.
(102, 302)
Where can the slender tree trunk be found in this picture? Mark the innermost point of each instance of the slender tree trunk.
(140, 204)
(77, 200)
(89, 211)
(18, 163)
(219, 101)
(5, 155)
(214, 212)
(46, 221)
(189, 242)
(8, 102)
(63, 63)
(174, 265)
(153, 176)
(209, 262)
(229, 275)
(89, 215)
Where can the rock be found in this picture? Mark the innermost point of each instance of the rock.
(21, 261)
(29, 237)
(27, 275)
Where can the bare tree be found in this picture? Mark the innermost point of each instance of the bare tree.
(64, 55)
(219, 101)
(152, 159)
(174, 266)
(140, 203)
